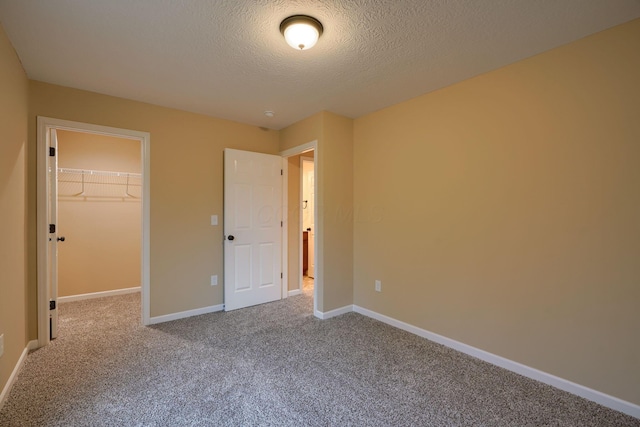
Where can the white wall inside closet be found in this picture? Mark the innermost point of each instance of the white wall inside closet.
(99, 213)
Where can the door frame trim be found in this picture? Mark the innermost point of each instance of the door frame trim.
(42, 181)
(318, 279)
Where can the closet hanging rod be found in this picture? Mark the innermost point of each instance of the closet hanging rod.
(99, 173)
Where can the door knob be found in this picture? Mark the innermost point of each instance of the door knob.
(60, 239)
(231, 237)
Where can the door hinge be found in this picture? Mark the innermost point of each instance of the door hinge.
(281, 172)
(281, 224)
(52, 151)
(52, 228)
(52, 305)
(281, 276)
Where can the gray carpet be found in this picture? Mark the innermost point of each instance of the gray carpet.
(270, 365)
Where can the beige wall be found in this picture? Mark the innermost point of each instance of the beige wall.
(102, 225)
(335, 210)
(78, 150)
(13, 128)
(334, 176)
(503, 212)
(302, 132)
(186, 187)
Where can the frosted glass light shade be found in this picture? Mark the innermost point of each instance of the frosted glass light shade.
(301, 32)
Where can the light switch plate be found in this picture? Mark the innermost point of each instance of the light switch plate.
(214, 280)
(1, 345)
(214, 219)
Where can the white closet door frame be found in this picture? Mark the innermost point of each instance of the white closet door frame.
(45, 124)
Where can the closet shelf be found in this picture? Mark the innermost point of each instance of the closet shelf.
(83, 182)
(97, 173)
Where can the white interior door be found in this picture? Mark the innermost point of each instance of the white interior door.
(53, 234)
(252, 228)
(308, 215)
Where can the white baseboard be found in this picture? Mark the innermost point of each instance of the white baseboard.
(185, 314)
(333, 313)
(98, 294)
(16, 370)
(294, 292)
(571, 387)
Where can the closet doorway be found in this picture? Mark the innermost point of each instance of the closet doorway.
(93, 216)
(99, 214)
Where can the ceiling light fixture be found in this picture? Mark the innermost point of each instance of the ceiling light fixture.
(301, 31)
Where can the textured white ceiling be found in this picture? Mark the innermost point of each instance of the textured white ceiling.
(227, 58)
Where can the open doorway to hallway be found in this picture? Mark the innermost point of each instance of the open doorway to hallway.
(307, 213)
(303, 264)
